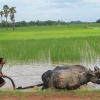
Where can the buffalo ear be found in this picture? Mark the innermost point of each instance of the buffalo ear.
(91, 73)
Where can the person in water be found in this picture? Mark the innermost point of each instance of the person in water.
(2, 81)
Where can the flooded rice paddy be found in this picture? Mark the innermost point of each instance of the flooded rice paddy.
(27, 75)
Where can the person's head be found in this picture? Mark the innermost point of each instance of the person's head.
(2, 61)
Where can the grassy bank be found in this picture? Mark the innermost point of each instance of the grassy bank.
(51, 95)
(65, 44)
(49, 92)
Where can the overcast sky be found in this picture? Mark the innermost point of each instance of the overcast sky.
(66, 10)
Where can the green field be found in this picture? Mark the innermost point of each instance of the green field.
(69, 43)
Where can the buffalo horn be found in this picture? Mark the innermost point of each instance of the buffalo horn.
(97, 68)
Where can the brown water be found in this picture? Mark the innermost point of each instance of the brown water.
(27, 75)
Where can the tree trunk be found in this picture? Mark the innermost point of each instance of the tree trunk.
(6, 24)
(13, 25)
(1, 23)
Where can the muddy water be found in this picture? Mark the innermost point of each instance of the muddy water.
(24, 75)
(27, 75)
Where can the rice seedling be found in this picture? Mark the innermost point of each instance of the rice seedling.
(34, 44)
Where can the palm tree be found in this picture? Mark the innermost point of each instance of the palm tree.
(1, 13)
(6, 12)
(12, 16)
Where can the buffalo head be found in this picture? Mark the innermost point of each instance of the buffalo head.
(94, 76)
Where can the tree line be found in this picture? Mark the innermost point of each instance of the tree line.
(8, 11)
(32, 23)
(47, 23)
(98, 21)
(40, 23)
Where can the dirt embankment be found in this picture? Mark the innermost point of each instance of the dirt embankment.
(51, 97)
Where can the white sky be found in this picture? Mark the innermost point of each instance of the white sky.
(66, 10)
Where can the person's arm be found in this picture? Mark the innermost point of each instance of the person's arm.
(1, 75)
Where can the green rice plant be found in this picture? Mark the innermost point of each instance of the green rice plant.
(57, 50)
(71, 43)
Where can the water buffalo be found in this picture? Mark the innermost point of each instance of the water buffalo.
(68, 77)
